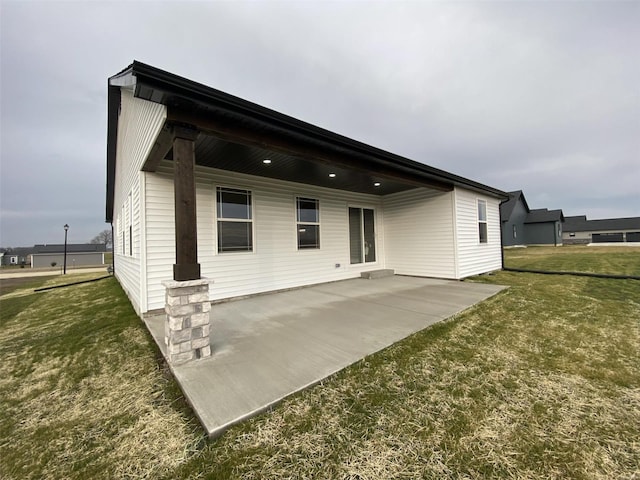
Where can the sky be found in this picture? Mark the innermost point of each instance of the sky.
(537, 96)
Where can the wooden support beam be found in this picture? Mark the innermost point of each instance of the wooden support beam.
(160, 148)
(278, 143)
(186, 266)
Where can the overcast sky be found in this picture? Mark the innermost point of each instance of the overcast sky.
(539, 96)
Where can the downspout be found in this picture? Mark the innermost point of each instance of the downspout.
(501, 237)
(113, 253)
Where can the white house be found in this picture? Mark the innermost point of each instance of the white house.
(204, 184)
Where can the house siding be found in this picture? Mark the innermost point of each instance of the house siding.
(419, 233)
(139, 123)
(518, 216)
(543, 234)
(474, 257)
(275, 263)
(73, 259)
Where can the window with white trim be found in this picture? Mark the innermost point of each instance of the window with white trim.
(235, 220)
(482, 221)
(122, 223)
(515, 232)
(130, 225)
(308, 223)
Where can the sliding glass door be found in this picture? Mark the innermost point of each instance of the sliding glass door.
(362, 235)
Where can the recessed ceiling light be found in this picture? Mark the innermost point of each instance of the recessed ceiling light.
(377, 184)
(266, 161)
(332, 175)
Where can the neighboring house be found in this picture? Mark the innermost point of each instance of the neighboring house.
(77, 255)
(579, 230)
(204, 184)
(523, 226)
(544, 227)
(513, 213)
(17, 256)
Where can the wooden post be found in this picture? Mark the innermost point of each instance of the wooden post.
(186, 266)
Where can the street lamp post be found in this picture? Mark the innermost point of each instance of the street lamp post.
(66, 229)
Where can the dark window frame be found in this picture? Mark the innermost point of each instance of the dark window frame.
(302, 224)
(231, 222)
(483, 224)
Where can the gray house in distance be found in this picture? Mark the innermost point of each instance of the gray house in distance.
(579, 230)
(78, 255)
(16, 256)
(522, 226)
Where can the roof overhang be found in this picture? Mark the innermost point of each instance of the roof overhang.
(299, 151)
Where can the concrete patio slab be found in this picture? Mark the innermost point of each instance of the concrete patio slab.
(269, 346)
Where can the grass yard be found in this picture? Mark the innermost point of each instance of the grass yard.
(619, 260)
(540, 382)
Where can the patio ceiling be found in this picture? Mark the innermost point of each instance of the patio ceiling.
(214, 152)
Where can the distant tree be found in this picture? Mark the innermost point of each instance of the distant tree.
(53, 264)
(103, 237)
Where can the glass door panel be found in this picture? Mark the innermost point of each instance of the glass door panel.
(362, 235)
(369, 235)
(355, 234)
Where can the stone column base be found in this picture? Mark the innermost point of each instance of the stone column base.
(186, 328)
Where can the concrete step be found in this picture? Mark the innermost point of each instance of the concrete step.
(370, 275)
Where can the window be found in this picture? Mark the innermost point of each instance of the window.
(130, 226)
(308, 223)
(482, 221)
(515, 232)
(235, 223)
(559, 230)
(122, 223)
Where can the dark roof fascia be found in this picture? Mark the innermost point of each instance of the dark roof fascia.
(52, 248)
(164, 85)
(524, 201)
(603, 224)
(113, 110)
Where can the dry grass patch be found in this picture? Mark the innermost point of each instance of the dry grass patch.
(82, 392)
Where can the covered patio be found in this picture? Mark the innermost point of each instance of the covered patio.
(267, 347)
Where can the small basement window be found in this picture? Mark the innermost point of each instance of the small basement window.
(235, 221)
(482, 221)
(308, 223)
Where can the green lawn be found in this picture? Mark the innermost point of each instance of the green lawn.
(619, 260)
(542, 381)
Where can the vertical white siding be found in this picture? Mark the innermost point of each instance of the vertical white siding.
(276, 262)
(139, 123)
(474, 257)
(419, 233)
